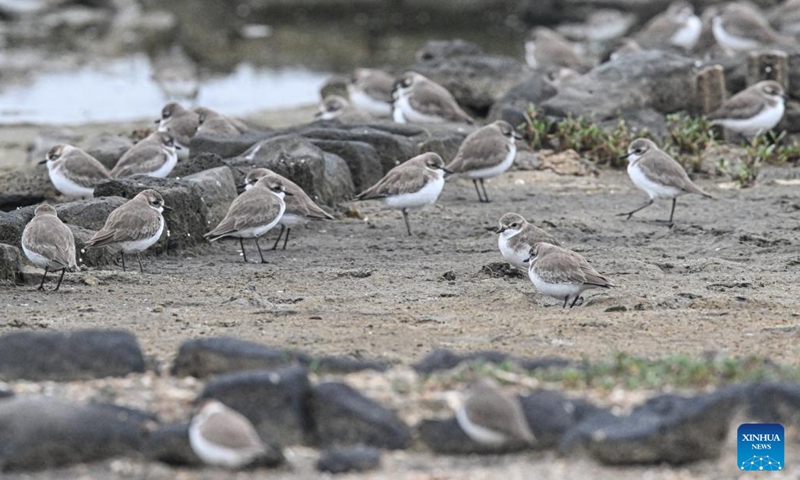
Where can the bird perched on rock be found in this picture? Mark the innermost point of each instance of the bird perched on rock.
(48, 243)
(658, 175)
(74, 172)
(677, 27)
(486, 153)
(753, 111)
(562, 274)
(223, 437)
(155, 156)
(370, 90)
(135, 225)
(335, 107)
(253, 213)
(740, 27)
(413, 184)
(547, 49)
(181, 123)
(299, 206)
(418, 99)
(491, 417)
(516, 238)
(215, 123)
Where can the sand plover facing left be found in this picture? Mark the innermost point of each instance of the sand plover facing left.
(562, 274)
(253, 213)
(135, 225)
(485, 153)
(492, 417)
(753, 111)
(215, 123)
(181, 123)
(335, 107)
(155, 156)
(516, 238)
(371, 91)
(418, 99)
(414, 183)
(74, 172)
(658, 175)
(223, 437)
(48, 243)
(299, 206)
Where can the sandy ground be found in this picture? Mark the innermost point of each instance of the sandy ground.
(723, 279)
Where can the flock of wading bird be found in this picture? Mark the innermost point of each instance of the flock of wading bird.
(270, 200)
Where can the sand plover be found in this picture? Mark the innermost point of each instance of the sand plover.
(135, 225)
(371, 91)
(625, 47)
(74, 172)
(753, 111)
(486, 153)
(678, 27)
(215, 123)
(48, 243)
(253, 213)
(492, 417)
(516, 238)
(562, 274)
(741, 28)
(415, 183)
(658, 175)
(786, 17)
(299, 206)
(155, 156)
(223, 437)
(546, 49)
(181, 123)
(418, 99)
(338, 108)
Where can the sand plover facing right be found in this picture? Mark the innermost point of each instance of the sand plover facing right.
(223, 437)
(181, 123)
(753, 111)
(371, 91)
(741, 27)
(74, 172)
(676, 27)
(48, 243)
(516, 238)
(562, 274)
(418, 99)
(155, 156)
(547, 49)
(491, 417)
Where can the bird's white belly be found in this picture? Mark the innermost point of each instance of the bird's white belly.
(739, 44)
(478, 433)
(410, 114)
(41, 261)
(67, 186)
(427, 195)
(766, 120)
(367, 103)
(555, 290)
(142, 245)
(291, 220)
(514, 257)
(530, 54)
(495, 170)
(689, 34)
(166, 168)
(653, 189)
(260, 230)
(215, 455)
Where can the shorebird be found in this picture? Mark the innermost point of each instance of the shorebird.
(547, 49)
(48, 243)
(181, 123)
(491, 417)
(516, 238)
(223, 437)
(752, 111)
(338, 108)
(741, 27)
(213, 122)
(371, 91)
(418, 99)
(678, 27)
(74, 172)
(562, 274)
(155, 156)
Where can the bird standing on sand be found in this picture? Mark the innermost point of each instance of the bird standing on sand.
(562, 274)
(48, 243)
(516, 238)
(753, 111)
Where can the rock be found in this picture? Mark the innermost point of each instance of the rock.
(345, 365)
(447, 437)
(342, 417)
(475, 79)
(668, 428)
(108, 148)
(196, 164)
(567, 163)
(93, 257)
(170, 445)
(653, 79)
(275, 401)
(223, 146)
(444, 139)
(185, 224)
(361, 158)
(6, 394)
(212, 356)
(67, 356)
(357, 459)
(551, 415)
(22, 187)
(325, 177)
(10, 263)
(514, 104)
(441, 359)
(775, 403)
(217, 190)
(38, 433)
(90, 213)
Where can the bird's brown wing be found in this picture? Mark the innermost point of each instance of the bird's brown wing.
(743, 105)
(251, 209)
(749, 26)
(301, 204)
(532, 235)
(661, 168)
(433, 99)
(482, 149)
(401, 179)
(560, 267)
(658, 31)
(230, 431)
(85, 170)
(144, 159)
(55, 240)
(380, 87)
(498, 413)
(128, 223)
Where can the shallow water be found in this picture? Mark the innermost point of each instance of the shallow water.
(123, 89)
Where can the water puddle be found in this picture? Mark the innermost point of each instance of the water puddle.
(124, 90)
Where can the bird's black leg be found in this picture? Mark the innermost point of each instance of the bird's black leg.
(139, 258)
(565, 301)
(672, 212)
(574, 301)
(485, 195)
(630, 214)
(123, 261)
(41, 285)
(286, 238)
(60, 278)
(405, 217)
(241, 244)
(259, 251)
(275, 247)
(478, 190)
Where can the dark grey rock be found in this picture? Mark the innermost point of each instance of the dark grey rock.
(38, 433)
(342, 417)
(66, 356)
(10, 263)
(170, 445)
(652, 79)
(775, 403)
(22, 187)
(356, 459)
(275, 401)
(668, 428)
(91, 213)
(12, 225)
(551, 415)
(217, 190)
(185, 224)
(196, 164)
(447, 437)
(6, 394)
(444, 139)
(212, 356)
(513, 106)
(442, 359)
(224, 147)
(344, 365)
(108, 148)
(361, 158)
(439, 50)
(93, 257)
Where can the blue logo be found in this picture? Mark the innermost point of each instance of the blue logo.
(760, 447)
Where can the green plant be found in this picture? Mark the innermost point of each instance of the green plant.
(688, 139)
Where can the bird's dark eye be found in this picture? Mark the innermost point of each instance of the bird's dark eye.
(407, 82)
(515, 224)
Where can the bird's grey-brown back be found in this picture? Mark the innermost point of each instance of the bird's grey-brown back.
(660, 168)
(339, 108)
(408, 177)
(298, 202)
(256, 207)
(558, 265)
(375, 83)
(47, 236)
(429, 98)
(529, 234)
(213, 122)
(181, 122)
(484, 148)
(137, 219)
(487, 406)
(547, 49)
(77, 166)
(750, 102)
(147, 156)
